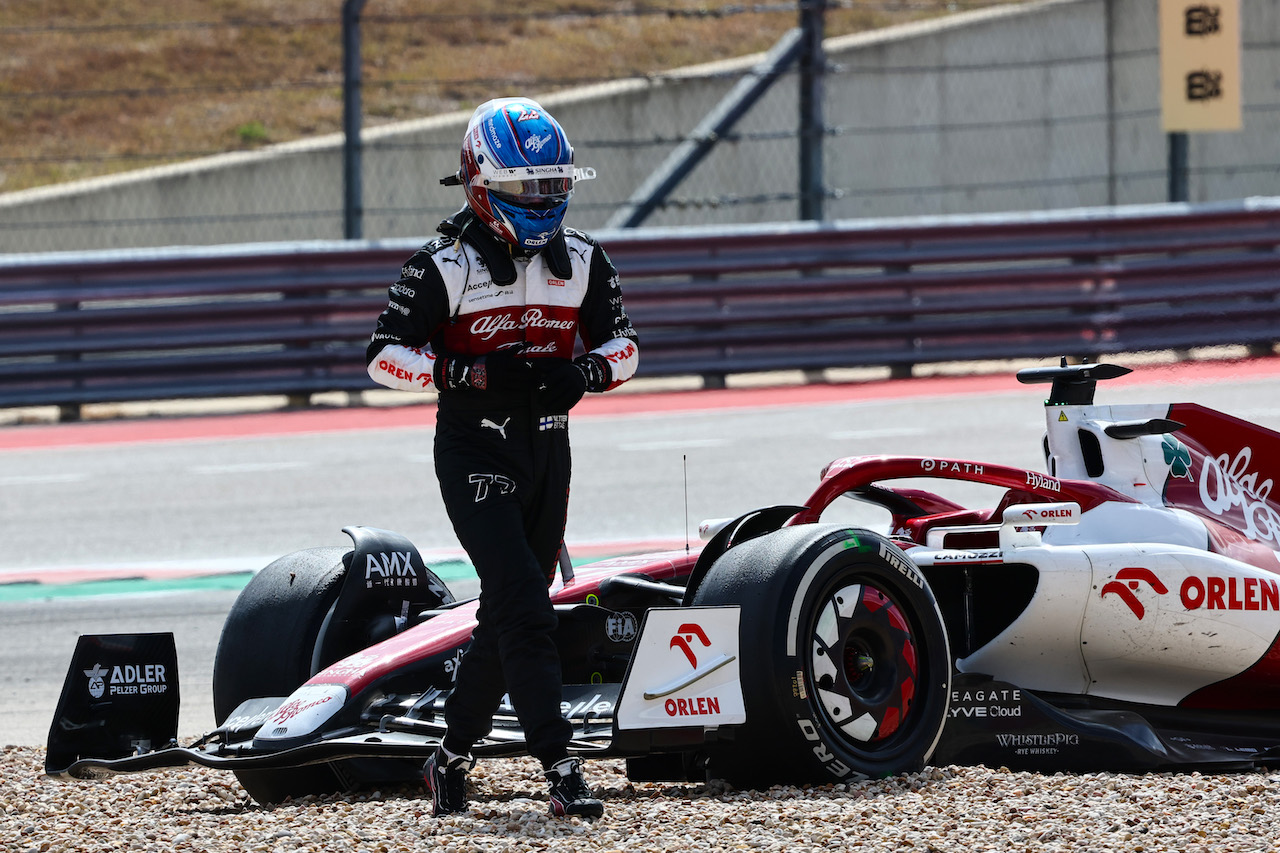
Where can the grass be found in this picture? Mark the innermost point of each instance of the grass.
(89, 87)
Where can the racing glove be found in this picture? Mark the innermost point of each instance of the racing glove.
(498, 371)
(564, 382)
(596, 369)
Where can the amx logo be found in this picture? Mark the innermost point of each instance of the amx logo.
(686, 632)
(1126, 584)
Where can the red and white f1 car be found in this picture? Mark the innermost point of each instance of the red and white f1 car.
(1118, 611)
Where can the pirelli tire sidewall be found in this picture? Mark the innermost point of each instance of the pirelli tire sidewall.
(267, 640)
(783, 581)
(266, 649)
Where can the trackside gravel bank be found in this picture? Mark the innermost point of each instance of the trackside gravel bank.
(941, 809)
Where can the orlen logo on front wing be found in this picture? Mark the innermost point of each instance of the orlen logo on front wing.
(1195, 593)
(690, 639)
(686, 633)
(684, 671)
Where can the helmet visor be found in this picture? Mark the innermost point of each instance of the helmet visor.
(535, 193)
(533, 187)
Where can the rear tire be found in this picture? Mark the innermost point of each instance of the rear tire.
(266, 650)
(845, 666)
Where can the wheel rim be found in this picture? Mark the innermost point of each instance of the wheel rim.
(863, 664)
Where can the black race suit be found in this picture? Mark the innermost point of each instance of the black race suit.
(501, 459)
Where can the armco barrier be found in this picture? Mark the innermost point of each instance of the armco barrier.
(294, 319)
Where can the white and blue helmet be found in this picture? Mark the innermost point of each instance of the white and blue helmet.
(518, 172)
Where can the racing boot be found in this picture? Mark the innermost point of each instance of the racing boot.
(446, 778)
(569, 793)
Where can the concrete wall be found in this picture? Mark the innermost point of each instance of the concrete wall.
(1051, 104)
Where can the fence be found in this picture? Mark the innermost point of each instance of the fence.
(1051, 104)
(294, 319)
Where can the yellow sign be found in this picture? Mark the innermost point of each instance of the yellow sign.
(1200, 78)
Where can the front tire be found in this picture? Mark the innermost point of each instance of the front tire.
(266, 649)
(846, 670)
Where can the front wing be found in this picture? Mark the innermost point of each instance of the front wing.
(671, 697)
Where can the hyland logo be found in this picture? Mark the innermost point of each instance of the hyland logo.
(1126, 584)
(1177, 457)
(685, 633)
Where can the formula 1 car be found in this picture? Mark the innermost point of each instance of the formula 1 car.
(1119, 611)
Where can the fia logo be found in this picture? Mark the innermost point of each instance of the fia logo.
(620, 627)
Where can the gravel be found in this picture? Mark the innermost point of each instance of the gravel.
(938, 809)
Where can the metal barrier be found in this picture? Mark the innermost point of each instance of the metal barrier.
(294, 319)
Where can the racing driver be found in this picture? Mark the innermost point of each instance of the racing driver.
(487, 316)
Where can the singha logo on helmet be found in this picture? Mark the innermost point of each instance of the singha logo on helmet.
(517, 171)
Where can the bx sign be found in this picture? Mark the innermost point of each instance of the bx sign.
(1200, 79)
